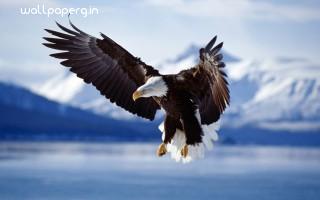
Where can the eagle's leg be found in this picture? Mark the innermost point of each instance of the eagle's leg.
(192, 129)
(170, 125)
(162, 149)
(184, 151)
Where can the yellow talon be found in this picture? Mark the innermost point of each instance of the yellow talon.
(184, 151)
(162, 149)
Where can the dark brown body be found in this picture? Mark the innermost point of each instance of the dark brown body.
(180, 107)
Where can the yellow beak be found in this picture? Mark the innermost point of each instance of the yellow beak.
(136, 95)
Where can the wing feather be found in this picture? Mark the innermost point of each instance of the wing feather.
(216, 89)
(106, 65)
(208, 83)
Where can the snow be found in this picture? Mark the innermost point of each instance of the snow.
(68, 88)
(271, 89)
(62, 88)
(173, 68)
(276, 91)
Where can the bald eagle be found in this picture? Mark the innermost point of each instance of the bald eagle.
(193, 99)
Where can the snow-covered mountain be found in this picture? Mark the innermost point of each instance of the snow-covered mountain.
(68, 88)
(272, 94)
(276, 94)
(25, 115)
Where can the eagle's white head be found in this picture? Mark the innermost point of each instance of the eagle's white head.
(155, 86)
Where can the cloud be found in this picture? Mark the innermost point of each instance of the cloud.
(245, 9)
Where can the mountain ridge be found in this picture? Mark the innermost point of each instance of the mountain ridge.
(273, 102)
(25, 115)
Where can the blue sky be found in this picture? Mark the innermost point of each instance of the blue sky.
(155, 30)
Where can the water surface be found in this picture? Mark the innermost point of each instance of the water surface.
(132, 171)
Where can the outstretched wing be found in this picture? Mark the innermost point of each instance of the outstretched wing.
(108, 66)
(209, 84)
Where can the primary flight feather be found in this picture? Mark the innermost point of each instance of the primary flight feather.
(193, 99)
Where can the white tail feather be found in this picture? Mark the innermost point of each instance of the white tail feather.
(194, 151)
